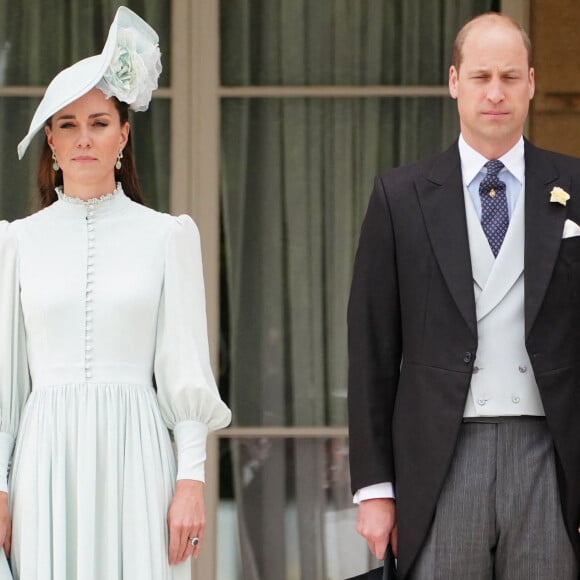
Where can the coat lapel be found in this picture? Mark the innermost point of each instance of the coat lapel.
(482, 260)
(441, 198)
(544, 227)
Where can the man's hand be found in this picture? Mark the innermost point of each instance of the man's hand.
(5, 524)
(376, 522)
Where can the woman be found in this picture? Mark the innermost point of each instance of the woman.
(98, 294)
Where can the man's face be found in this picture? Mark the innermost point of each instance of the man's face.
(493, 87)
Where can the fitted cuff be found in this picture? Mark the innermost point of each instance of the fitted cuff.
(383, 490)
(190, 440)
(6, 448)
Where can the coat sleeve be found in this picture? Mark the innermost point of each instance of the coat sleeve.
(374, 347)
(14, 374)
(188, 395)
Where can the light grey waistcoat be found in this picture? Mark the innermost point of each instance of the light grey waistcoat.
(503, 382)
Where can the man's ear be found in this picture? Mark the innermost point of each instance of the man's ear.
(532, 81)
(453, 77)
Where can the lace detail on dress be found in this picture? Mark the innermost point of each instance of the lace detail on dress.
(93, 201)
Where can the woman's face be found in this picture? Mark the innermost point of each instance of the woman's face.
(86, 137)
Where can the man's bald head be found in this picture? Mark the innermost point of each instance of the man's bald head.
(488, 19)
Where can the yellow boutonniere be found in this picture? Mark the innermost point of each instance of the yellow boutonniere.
(558, 195)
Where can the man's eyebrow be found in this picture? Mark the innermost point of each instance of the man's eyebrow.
(486, 70)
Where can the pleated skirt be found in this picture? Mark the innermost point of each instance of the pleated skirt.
(92, 479)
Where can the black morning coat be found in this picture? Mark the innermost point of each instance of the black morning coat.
(413, 335)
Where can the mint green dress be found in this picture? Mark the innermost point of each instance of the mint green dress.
(96, 299)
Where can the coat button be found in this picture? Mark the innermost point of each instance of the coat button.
(481, 402)
(467, 357)
(516, 399)
(523, 368)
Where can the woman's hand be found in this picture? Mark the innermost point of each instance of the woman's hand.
(186, 520)
(5, 524)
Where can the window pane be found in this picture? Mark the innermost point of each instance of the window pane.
(293, 513)
(152, 143)
(335, 42)
(18, 178)
(39, 38)
(296, 178)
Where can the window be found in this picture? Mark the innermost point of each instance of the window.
(315, 99)
(280, 112)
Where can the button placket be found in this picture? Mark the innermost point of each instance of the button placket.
(89, 287)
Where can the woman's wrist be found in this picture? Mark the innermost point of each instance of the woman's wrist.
(189, 485)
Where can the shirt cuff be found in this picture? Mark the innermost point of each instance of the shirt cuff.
(6, 447)
(190, 440)
(376, 491)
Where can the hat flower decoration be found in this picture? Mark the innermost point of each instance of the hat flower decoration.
(133, 72)
(128, 68)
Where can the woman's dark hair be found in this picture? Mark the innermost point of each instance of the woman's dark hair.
(47, 178)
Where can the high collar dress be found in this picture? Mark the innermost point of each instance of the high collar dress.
(96, 299)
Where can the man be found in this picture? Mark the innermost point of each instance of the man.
(464, 336)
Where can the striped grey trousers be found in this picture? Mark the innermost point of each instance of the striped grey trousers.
(499, 515)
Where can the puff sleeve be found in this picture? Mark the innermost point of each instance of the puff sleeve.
(14, 375)
(188, 395)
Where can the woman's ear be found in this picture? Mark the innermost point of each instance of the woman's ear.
(125, 130)
(48, 133)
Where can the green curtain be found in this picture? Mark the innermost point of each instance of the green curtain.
(38, 38)
(296, 176)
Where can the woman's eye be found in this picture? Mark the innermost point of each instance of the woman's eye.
(101, 124)
(66, 125)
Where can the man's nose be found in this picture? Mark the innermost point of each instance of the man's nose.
(495, 92)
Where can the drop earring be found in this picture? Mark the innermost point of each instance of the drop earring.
(55, 164)
(118, 165)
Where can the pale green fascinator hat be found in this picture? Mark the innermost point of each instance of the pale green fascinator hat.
(128, 69)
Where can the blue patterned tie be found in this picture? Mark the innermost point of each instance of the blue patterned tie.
(494, 209)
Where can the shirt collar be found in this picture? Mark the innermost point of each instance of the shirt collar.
(472, 162)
